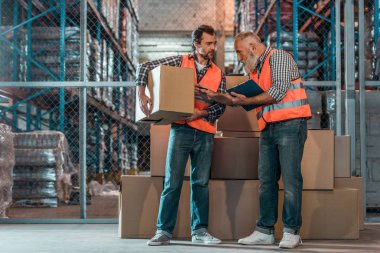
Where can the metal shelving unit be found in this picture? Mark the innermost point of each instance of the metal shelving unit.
(56, 58)
(308, 28)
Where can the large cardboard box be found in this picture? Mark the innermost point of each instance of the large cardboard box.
(355, 183)
(240, 134)
(138, 206)
(326, 215)
(342, 156)
(234, 208)
(235, 158)
(318, 161)
(139, 203)
(159, 138)
(236, 118)
(172, 92)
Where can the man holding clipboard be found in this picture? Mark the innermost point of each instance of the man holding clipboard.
(282, 110)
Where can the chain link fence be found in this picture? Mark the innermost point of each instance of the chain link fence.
(40, 42)
(372, 42)
(372, 73)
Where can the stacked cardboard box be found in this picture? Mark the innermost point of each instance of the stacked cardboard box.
(343, 178)
(330, 203)
(236, 153)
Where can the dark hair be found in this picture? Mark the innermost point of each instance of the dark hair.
(196, 35)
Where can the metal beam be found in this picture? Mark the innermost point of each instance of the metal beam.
(83, 113)
(62, 65)
(372, 83)
(295, 31)
(55, 84)
(362, 115)
(376, 19)
(338, 78)
(349, 76)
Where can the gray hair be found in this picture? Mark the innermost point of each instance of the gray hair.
(245, 35)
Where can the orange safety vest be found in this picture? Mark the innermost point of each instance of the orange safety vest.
(211, 80)
(293, 105)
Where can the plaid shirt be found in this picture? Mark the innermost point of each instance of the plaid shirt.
(283, 71)
(215, 110)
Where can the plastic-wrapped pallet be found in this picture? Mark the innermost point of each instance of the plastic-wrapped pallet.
(42, 162)
(7, 162)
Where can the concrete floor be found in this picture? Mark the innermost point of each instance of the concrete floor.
(17, 238)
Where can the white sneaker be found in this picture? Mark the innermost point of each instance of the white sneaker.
(257, 238)
(290, 241)
(205, 237)
(158, 239)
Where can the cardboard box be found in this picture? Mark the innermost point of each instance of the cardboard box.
(342, 156)
(138, 206)
(139, 203)
(318, 161)
(172, 92)
(159, 138)
(326, 215)
(241, 134)
(235, 158)
(236, 118)
(355, 183)
(234, 208)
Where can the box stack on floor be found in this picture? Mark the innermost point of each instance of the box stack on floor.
(331, 198)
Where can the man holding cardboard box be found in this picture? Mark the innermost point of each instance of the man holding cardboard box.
(282, 114)
(193, 136)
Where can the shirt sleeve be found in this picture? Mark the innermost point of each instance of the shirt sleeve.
(217, 109)
(282, 68)
(142, 70)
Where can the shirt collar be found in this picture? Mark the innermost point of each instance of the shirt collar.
(193, 55)
(262, 58)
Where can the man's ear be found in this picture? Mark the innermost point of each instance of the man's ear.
(196, 45)
(252, 47)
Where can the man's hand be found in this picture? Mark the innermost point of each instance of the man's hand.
(211, 95)
(239, 99)
(144, 101)
(196, 115)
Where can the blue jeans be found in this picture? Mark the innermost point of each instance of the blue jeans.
(185, 141)
(281, 150)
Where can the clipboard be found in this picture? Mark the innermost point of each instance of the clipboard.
(249, 89)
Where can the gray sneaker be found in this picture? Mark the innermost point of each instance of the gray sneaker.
(290, 241)
(159, 239)
(205, 238)
(257, 238)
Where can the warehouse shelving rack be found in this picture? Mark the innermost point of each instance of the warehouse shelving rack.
(38, 116)
(303, 15)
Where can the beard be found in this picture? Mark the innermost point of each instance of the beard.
(251, 62)
(206, 56)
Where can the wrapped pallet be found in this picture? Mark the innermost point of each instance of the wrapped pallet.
(42, 168)
(7, 162)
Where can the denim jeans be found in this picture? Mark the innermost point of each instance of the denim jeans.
(185, 141)
(281, 150)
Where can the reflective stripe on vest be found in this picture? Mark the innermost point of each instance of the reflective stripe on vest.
(211, 80)
(293, 105)
(285, 105)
